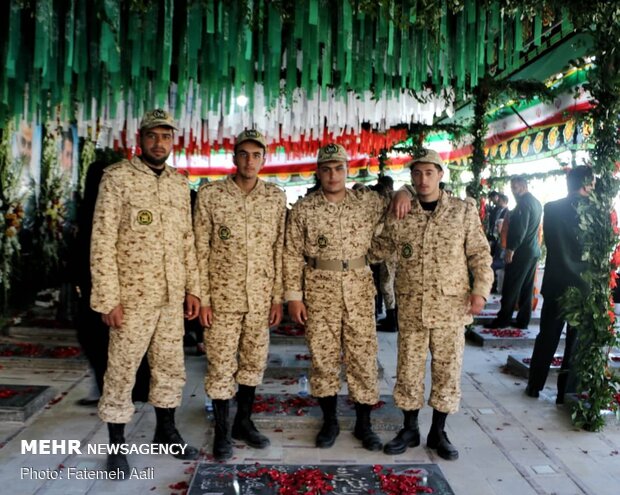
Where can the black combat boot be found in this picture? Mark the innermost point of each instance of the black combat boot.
(117, 462)
(330, 429)
(389, 323)
(437, 438)
(363, 429)
(222, 444)
(166, 433)
(243, 427)
(409, 436)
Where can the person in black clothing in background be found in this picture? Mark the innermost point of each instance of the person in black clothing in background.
(93, 334)
(563, 269)
(521, 258)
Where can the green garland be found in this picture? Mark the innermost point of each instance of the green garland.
(49, 217)
(11, 213)
(87, 156)
(487, 93)
(592, 314)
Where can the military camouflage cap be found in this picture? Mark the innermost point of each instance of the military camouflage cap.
(156, 118)
(251, 135)
(427, 156)
(332, 153)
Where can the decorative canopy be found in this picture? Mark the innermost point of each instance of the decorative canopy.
(306, 69)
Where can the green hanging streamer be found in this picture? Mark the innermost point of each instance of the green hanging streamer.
(492, 33)
(347, 27)
(275, 52)
(413, 12)
(248, 33)
(405, 56)
(14, 40)
(194, 39)
(109, 46)
(470, 9)
(390, 47)
(518, 31)
(313, 17)
(537, 28)
(481, 41)
(567, 24)
(166, 48)
(43, 17)
(210, 15)
(460, 49)
(325, 34)
(69, 32)
(444, 46)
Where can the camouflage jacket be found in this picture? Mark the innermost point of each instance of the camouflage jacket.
(239, 242)
(142, 247)
(436, 252)
(317, 228)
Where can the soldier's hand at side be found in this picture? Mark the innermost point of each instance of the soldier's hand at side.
(508, 256)
(297, 312)
(476, 304)
(114, 319)
(275, 315)
(192, 306)
(401, 204)
(206, 316)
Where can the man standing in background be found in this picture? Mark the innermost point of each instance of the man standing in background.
(521, 258)
(563, 268)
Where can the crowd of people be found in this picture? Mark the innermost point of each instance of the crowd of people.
(234, 258)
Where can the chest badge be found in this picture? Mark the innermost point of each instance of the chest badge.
(224, 233)
(321, 241)
(406, 251)
(145, 217)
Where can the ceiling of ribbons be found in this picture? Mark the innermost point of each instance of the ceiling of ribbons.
(305, 70)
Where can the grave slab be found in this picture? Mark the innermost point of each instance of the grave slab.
(287, 334)
(291, 363)
(19, 402)
(487, 314)
(232, 479)
(289, 411)
(519, 364)
(35, 355)
(514, 337)
(42, 334)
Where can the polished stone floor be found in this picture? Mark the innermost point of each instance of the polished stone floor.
(509, 444)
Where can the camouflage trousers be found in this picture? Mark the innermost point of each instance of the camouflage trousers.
(158, 332)
(386, 276)
(446, 344)
(335, 329)
(237, 345)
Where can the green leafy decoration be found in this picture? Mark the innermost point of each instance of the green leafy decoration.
(593, 313)
(11, 212)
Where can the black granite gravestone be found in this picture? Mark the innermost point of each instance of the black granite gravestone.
(238, 479)
(19, 402)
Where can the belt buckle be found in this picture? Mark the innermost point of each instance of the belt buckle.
(345, 265)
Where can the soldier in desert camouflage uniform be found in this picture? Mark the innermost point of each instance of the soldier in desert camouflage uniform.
(330, 289)
(143, 266)
(438, 244)
(239, 229)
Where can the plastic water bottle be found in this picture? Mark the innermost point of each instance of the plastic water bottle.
(303, 386)
(208, 404)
